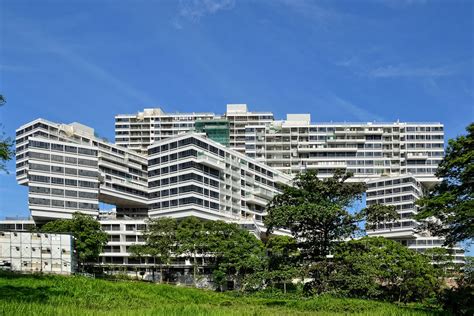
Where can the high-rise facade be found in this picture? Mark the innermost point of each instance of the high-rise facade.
(220, 167)
(68, 169)
(376, 153)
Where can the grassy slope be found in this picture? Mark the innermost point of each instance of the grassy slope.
(57, 295)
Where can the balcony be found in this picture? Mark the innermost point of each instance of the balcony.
(252, 198)
(209, 161)
(267, 194)
(420, 156)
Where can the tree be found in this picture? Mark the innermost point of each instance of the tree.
(236, 253)
(192, 239)
(160, 241)
(376, 267)
(138, 251)
(6, 145)
(315, 211)
(449, 207)
(442, 259)
(379, 213)
(283, 257)
(89, 237)
(459, 299)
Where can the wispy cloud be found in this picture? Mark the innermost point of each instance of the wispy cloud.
(194, 10)
(310, 9)
(47, 44)
(354, 110)
(407, 71)
(400, 4)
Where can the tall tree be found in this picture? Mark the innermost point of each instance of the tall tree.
(449, 208)
(316, 212)
(283, 257)
(88, 234)
(192, 240)
(6, 144)
(236, 253)
(161, 242)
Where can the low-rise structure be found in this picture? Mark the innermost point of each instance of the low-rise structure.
(36, 252)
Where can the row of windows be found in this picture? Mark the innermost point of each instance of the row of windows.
(391, 182)
(391, 191)
(60, 203)
(67, 160)
(422, 145)
(29, 128)
(182, 178)
(63, 170)
(185, 142)
(424, 162)
(128, 190)
(397, 225)
(183, 190)
(425, 137)
(183, 166)
(393, 199)
(184, 201)
(63, 148)
(62, 181)
(172, 157)
(61, 192)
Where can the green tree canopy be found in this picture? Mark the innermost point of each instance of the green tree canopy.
(283, 260)
(89, 237)
(236, 252)
(160, 241)
(316, 212)
(376, 267)
(449, 207)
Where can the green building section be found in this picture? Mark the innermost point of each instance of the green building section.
(217, 130)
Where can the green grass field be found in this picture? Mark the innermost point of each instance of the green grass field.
(58, 295)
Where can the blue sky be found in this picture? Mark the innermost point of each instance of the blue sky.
(338, 60)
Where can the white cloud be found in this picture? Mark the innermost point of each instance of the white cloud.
(356, 111)
(194, 10)
(310, 9)
(406, 71)
(399, 4)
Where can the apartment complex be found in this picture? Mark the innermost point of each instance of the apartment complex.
(369, 150)
(219, 167)
(68, 169)
(376, 153)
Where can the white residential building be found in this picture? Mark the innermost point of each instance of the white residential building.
(219, 167)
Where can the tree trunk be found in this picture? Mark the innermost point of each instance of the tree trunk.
(194, 268)
(161, 272)
(284, 287)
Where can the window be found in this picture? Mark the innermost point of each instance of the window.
(71, 149)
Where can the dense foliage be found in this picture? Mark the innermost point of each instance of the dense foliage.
(89, 237)
(449, 207)
(382, 269)
(316, 212)
(233, 253)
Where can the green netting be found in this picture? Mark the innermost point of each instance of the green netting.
(217, 130)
